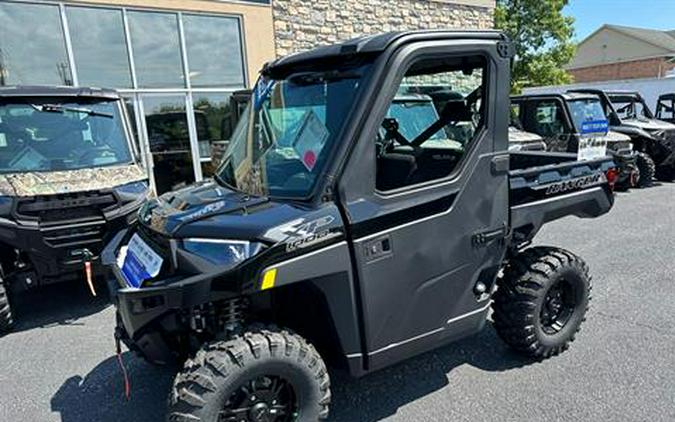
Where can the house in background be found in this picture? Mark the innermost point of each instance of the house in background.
(619, 52)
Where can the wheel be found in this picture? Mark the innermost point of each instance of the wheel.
(541, 301)
(263, 375)
(647, 170)
(6, 317)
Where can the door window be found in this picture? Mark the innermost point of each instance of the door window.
(169, 139)
(548, 119)
(432, 122)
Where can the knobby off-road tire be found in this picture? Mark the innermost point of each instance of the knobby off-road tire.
(252, 372)
(6, 317)
(647, 170)
(535, 284)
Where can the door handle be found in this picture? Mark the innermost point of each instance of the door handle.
(377, 248)
(483, 238)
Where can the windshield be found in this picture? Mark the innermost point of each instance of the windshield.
(283, 140)
(631, 108)
(47, 136)
(587, 110)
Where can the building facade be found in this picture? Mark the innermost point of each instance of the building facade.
(619, 53)
(177, 62)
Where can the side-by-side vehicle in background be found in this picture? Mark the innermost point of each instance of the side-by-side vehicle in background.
(665, 108)
(559, 118)
(628, 113)
(337, 233)
(69, 180)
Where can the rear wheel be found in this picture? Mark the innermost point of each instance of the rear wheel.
(541, 301)
(263, 375)
(647, 170)
(6, 317)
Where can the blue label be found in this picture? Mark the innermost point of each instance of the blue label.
(595, 127)
(134, 271)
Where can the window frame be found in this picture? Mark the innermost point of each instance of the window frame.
(435, 51)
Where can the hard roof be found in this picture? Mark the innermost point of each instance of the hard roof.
(56, 91)
(567, 96)
(374, 44)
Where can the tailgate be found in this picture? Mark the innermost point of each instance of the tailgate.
(545, 193)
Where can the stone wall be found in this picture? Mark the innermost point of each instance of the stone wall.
(301, 24)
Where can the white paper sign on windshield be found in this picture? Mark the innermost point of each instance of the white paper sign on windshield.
(593, 140)
(310, 140)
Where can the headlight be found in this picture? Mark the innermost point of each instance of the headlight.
(133, 191)
(222, 252)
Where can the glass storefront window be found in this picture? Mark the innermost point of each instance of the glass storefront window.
(213, 121)
(99, 47)
(169, 140)
(32, 46)
(156, 48)
(214, 51)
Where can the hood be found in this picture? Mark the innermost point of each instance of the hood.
(613, 136)
(208, 210)
(520, 136)
(69, 181)
(649, 125)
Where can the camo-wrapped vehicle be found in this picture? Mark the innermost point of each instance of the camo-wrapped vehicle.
(559, 118)
(629, 114)
(69, 180)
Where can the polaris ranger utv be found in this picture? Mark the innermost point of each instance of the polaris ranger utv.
(69, 180)
(320, 240)
(560, 119)
(629, 114)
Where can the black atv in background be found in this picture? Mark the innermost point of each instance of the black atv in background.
(629, 114)
(665, 108)
(558, 118)
(321, 241)
(70, 179)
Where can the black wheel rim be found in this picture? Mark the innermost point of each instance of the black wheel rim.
(558, 307)
(263, 399)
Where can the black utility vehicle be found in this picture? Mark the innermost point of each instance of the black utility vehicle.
(665, 108)
(629, 114)
(320, 232)
(69, 180)
(559, 119)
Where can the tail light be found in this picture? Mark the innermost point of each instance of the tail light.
(612, 177)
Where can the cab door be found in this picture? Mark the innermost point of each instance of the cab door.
(427, 222)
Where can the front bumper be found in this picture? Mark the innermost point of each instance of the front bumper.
(626, 164)
(145, 314)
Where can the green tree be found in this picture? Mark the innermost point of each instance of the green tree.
(542, 37)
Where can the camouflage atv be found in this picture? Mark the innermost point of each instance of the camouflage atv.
(69, 180)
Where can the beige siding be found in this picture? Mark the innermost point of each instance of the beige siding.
(610, 46)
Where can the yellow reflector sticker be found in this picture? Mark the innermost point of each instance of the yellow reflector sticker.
(269, 278)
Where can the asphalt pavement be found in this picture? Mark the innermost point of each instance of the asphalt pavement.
(59, 364)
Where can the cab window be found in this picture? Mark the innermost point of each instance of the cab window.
(432, 122)
(549, 119)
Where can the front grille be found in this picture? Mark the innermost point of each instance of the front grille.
(81, 233)
(69, 222)
(624, 147)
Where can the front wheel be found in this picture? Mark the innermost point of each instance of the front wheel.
(541, 301)
(6, 317)
(647, 170)
(263, 375)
